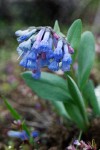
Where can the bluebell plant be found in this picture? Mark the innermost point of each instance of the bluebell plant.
(42, 47)
(48, 47)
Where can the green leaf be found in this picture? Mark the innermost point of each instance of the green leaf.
(57, 29)
(59, 106)
(77, 97)
(49, 86)
(90, 96)
(97, 93)
(24, 127)
(74, 34)
(12, 110)
(75, 115)
(86, 55)
(15, 115)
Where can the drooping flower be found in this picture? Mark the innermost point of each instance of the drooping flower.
(35, 134)
(36, 44)
(24, 35)
(18, 134)
(25, 46)
(44, 44)
(36, 74)
(22, 134)
(41, 47)
(58, 53)
(67, 60)
(54, 66)
(20, 32)
(23, 62)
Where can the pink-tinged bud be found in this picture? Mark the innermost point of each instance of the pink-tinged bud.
(17, 122)
(56, 36)
(70, 49)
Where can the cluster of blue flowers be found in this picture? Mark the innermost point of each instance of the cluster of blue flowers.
(22, 134)
(41, 47)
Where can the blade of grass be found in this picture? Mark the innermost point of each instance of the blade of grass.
(15, 114)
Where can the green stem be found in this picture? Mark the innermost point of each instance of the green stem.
(79, 138)
(80, 135)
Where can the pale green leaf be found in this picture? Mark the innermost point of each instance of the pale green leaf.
(49, 86)
(59, 106)
(57, 29)
(90, 96)
(77, 97)
(74, 34)
(86, 55)
(75, 115)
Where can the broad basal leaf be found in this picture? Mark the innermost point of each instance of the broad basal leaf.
(59, 106)
(49, 87)
(77, 97)
(75, 115)
(86, 55)
(90, 96)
